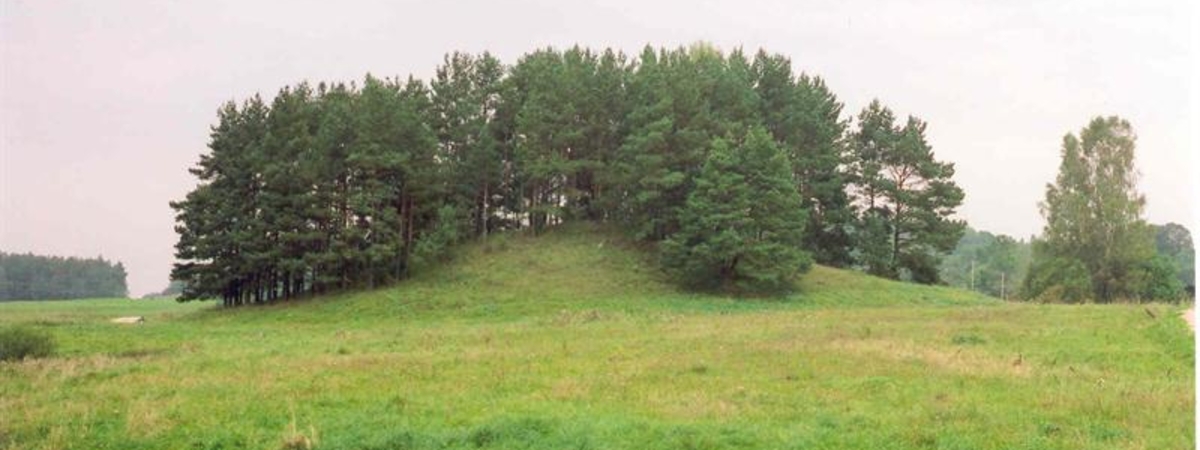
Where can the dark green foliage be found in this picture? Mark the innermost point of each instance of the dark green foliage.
(319, 191)
(1174, 241)
(563, 120)
(989, 263)
(742, 228)
(1157, 278)
(466, 96)
(1056, 279)
(549, 141)
(17, 343)
(805, 118)
(1095, 245)
(394, 185)
(343, 186)
(674, 114)
(33, 277)
(906, 197)
(219, 223)
(442, 234)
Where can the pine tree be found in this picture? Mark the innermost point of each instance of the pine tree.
(427, 183)
(907, 198)
(875, 137)
(219, 221)
(288, 206)
(332, 260)
(669, 129)
(741, 228)
(465, 97)
(545, 131)
(608, 103)
(805, 118)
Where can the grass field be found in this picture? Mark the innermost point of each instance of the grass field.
(569, 341)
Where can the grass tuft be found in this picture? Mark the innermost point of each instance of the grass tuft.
(967, 339)
(293, 439)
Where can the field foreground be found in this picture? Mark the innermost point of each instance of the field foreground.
(571, 341)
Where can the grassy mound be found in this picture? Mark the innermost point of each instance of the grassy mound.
(586, 267)
(572, 340)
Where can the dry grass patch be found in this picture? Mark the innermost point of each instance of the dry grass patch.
(959, 360)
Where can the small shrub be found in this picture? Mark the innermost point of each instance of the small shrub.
(1049, 429)
(19, 343)
(967, 339)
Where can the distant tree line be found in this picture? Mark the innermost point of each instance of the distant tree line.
(993, 264)
(33, 277)
(173, 290)
(743, 170)
(997, 265)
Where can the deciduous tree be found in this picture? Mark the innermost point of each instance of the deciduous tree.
(1095, 245)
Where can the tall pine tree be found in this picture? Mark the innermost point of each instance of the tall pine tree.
(805, 118)
(741, 228)
(907, 198)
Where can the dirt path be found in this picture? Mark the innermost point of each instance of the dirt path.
(1189, 316)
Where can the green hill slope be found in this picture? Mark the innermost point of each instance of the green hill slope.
(572, 340)
(587, 267)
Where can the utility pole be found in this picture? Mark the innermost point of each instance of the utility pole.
(1002, 296)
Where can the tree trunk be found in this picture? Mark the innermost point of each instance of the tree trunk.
(408, 232)
(483, 212)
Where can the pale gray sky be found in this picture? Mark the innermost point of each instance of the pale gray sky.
(104, 105)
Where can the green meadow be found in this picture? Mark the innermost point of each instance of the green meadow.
(572, 341)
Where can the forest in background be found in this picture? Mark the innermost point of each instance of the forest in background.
(996, 264)
(33, 277)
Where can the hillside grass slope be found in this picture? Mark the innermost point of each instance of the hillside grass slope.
(573, 340)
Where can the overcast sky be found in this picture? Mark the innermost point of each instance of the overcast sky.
(104, 105)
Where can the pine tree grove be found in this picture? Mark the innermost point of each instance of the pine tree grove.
(338, 186)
